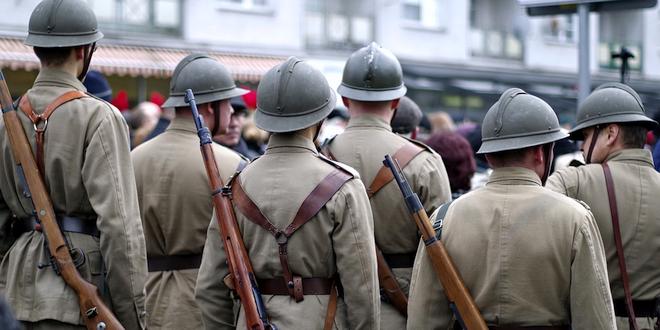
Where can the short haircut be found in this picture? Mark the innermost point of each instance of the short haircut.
(633, 135)
(53, 56)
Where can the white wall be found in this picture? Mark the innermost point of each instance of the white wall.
(651, 48)
(448, 43)
(279, 28)
(17, 14)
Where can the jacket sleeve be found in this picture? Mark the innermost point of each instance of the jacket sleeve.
(591, 301)
(211, 294)
(110, 184)
(428, 307)
(563, 181)
(355, 252)
(433, 183)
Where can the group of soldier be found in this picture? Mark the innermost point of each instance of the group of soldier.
(535, 251)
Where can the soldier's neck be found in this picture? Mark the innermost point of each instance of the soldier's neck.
(69, 67)
(384, 113)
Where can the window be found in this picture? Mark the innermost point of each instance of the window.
(150, 16)
(245, 5)
(497, 29)
(425, 13)
(561, 28)
(338, 24)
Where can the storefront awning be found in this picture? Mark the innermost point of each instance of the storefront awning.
(135, 61)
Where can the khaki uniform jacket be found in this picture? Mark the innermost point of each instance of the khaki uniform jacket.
(338, 240)
(363, 146)
(637, 189)
(528, 256)
(88, 173)
(176, 208)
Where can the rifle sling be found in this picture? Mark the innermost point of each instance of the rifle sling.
(616, 229)
(40, 121)
(403, 156)
(312, 204)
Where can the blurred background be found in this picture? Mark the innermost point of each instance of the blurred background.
(457, 55)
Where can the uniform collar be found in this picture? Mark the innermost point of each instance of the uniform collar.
(514, 176)
(369, 121)
(56, 77)
(635, 155)
(185, 124)
(280, 143)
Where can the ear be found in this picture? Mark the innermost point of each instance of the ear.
(395, 104)
(613, 132)
(538, 154)
(79, 52)
(345, 101)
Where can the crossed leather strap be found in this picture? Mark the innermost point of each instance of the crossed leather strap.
(40, 121)
(312, 204)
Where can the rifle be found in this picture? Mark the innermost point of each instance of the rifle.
(460, 300)
(240, 268)
(95, 314)
(389, 286)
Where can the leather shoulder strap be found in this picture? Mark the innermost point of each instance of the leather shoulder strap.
(321, 194)
(609, 182)
(40, 121)
(404, 155)
(248, 207)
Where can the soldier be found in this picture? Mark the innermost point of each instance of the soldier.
(82, 150)
(406, 118)
(371, 87)
(174, 193)
(326, 237)
(530, 257)
(613, 126)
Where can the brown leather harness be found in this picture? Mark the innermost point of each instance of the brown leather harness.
(40, 121)
(616, 229)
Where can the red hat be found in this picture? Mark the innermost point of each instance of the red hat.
(157, 98)
(250, 99)
(121, 100)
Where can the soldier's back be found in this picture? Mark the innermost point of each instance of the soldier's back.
(176, 209)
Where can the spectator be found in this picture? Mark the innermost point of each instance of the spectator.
(407, 118)
(457, 154)
(144, 118)
(233, 139)
(98, 86)
(334, 124)
(441, 122)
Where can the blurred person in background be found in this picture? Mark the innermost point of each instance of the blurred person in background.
(233, 138)
(457, 154)
(441, 122)
(98, 86)
(483, 169)
(334, 124)
(656, 148)
(406, 118)
(166, 116)
(145, 116)
(7, 319)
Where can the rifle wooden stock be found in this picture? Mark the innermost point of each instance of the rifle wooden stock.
(443, 266)
(95, 313)
(389, 286)
(238, 260)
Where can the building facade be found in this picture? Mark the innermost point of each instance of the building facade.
(457, 55)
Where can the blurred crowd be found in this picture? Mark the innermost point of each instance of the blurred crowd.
(457, 143)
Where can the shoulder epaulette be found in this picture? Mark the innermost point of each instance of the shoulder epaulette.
(341, 166)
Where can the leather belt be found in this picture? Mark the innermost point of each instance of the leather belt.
(86, 226)
(311, 286)
(174, 262)
(400, 260)
(642, 308)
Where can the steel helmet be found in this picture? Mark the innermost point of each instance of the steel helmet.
(611, 103)
(372, 73)
(209, 80)
(62, 23)
(291, 96)
(518, 120)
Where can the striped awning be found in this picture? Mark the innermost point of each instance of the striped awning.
(136, 61)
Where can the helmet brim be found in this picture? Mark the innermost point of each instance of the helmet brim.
(576, 132)
(282, 124)
(176, 100)
(55, 41)
(371, 95)
(520, 142)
